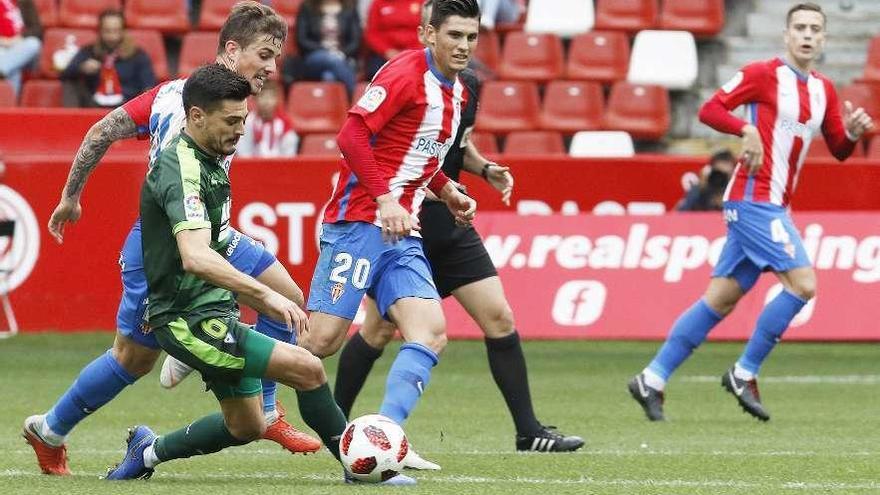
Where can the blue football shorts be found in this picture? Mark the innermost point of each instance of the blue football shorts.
(760, 237)
(355, 260)
(245, 254)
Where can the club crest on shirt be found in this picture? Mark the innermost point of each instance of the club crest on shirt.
(373, 97)
(193, 208)
(336, 291)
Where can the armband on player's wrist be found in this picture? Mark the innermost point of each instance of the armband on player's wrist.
(485, 171)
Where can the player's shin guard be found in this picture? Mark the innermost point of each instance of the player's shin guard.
(278, 331)
(688, 332)
(97, 384)
(772, 323)
(320, 412)
(407, 380)
(508, 365)
(355, 362)
(203, 436)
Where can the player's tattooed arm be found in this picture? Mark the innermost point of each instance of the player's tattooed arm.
(114, 126)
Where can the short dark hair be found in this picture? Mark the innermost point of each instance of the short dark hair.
(446, 8)
(812, 7)
(427, 4)
(247, 20)
(724, 155)
(210, 84)
(110, 13)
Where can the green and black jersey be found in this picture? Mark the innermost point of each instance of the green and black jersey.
(186, 189)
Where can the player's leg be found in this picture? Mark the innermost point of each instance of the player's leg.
(734, 275)
(485, 302)
(358, 355)
(133, 355)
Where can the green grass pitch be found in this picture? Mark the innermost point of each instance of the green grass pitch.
(823, 437)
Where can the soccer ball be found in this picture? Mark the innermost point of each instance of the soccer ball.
(372, 448)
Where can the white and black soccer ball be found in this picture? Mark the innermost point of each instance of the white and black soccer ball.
(372, 448)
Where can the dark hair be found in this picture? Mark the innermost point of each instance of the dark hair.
(315, 5)
(722, 156)
(427, 4)
(209, 85)
(247, 20)
(812, 7)
(447, 8)
(110, 13)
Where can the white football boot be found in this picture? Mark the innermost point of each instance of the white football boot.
(414, 461)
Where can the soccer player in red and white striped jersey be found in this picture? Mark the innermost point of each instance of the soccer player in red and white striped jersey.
(788, 105)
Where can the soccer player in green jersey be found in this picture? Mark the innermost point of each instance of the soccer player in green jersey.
(185, 207)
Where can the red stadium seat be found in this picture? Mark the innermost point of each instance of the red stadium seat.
(819, 150)
(489, 49)
(485, 142)
(214, 13)
(599, 55)
(287, 9)
(196, 50)
(534, 143)
(701, 17)
(7, 94)
(874, 149)
(639, 109)
(507, 106)
(55, 39)
(41, 93)
(84, 13)
(167, 16)
(572, 106)
(861, 94)
(872, 66)
(48, 10)
(151, 42)
(317, 106)
(323, 144)
(531, 57)
(626, 15)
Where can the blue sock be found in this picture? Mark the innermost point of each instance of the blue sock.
(407, 380)
(772, 323)
(97, 384)
(688, 332)
(278, 331)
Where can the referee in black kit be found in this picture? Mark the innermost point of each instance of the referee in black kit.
(461, 268)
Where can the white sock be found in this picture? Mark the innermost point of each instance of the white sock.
(742, 373)
(50, 436)
(271, 416)
(653, 380)
(150, 457)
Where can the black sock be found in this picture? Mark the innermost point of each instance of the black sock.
(355, 362)
(508, 365)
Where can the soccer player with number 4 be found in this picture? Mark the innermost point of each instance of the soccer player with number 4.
(788, 104)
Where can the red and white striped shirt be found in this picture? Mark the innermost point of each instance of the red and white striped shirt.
(413, 111)
(789, 109)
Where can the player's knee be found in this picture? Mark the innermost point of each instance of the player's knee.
(500, 322)
(437, 341)
(320, 344)
(378, 336)
(310, 374)
(134, 358)
(805, 289)
(247, 430)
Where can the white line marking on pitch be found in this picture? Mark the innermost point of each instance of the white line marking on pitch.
(483, 480)
(799, 379)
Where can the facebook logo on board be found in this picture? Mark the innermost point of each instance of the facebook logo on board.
(579, 303)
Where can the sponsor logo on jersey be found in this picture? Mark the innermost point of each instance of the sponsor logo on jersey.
(432, 147)
(372, 98)
(193, 208)
(336, 291)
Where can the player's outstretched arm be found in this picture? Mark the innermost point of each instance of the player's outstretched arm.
(497, 175)
(200, 260)
(114, 126)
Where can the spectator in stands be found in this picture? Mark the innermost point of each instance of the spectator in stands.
(708, 193)
(391, 29)
(268, 132)
(328, 34)
(20, 32)
(499, 11)
(109, 72)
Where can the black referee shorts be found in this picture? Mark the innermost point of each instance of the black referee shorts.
(456, 254)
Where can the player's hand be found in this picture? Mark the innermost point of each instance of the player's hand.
(501, 179)
(397, 223)
(752, 149)
(283, 309)
(66, 211)
(462, 206)
(857, 121)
